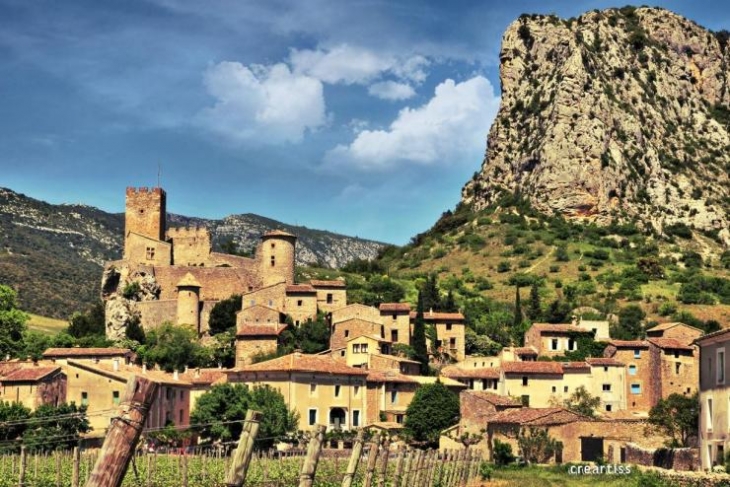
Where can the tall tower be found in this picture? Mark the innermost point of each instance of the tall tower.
(188, 302)
(277, 257)
(145, 214)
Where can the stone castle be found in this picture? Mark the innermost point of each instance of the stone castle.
(172, 274)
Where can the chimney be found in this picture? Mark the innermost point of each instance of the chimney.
(116, 364)
(186, 369)
(175, 375)
(7, 358)
(144, 368)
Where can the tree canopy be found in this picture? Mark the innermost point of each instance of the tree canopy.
(433, 408)
(223, 315)
(582, 402)
(173, 347)
(418, 342)
(676, 416)
(12, 322)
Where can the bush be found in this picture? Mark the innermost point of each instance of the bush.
(486, 470)
(502, 453)
(504, 266)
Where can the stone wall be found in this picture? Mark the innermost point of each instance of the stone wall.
(190, 246)
(343, 331)
(257, 314)
(271, 296)
(360, 311)
(154, 313)
(140, 249)
(301, 307)
(217, 283)
(247, 347)
(146, 212)
(667, 458)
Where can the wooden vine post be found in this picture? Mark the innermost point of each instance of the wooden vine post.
(354, 460)
(242, 458)
(123, 434)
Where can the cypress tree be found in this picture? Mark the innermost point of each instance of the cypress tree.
(419, 337)
(450, 304)
(431, 295)
(534, 312)
(518, 308)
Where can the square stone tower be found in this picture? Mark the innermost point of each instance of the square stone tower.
(145, 214)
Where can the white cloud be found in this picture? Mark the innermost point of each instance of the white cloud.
(454, 123)
(266, 104)
(390, 90)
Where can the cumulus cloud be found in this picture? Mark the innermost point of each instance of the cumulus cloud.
(263, 104)
(452, 124)
(391, 90)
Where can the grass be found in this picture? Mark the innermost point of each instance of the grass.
(48, 326)
(558, 477)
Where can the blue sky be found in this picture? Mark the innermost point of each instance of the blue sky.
(360, 117)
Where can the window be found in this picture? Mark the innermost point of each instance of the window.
(632, 369)
(337, 390)
(606, 387)
(485, 384)
(393, 397)
(448, 326)
(393, 335)
(312, 389)
(364, 348)
(554, 344)
(273, 245)
(525, 400)
(347, 333)
(452, 342)
(342, 353)
(299, 302)
(399, 418)
(312, 417)
(355, 418)
(115, 398)
(356, 348)
(524, 380)
(676, 368)
(637, 353)
(605, 368)
(720, 366)
(150, 254)
(635, 388)
(608, 408)
(84, 398)
(273, 261)
(565, 389)
(330, 298)
(180, 416)
(709, 414)
(382, 331)
(571, 344)
(555, 389)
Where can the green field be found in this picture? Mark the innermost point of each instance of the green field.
(559, 477)
(49, 326)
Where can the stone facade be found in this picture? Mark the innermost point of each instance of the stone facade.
(32, 384)
(714, 428)
(553, 340)
(342, 331)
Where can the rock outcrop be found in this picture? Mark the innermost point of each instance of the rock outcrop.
(619, 115)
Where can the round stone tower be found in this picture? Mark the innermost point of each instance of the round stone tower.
(188, 302)
(277, 257)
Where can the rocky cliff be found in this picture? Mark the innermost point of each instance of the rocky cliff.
(618, 114)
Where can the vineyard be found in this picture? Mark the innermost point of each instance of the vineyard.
(392, 468)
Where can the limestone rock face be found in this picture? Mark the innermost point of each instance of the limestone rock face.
(121, 306)
(119, 312)
(617, 115)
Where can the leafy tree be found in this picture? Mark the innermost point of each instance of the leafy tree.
(518, 308)
(480, 345)
(173, 347)
(536, 445)
(502, 453)
(223, 315)
(433, 408)
(12, 323)
(135, 332)
(430, 293)
(377, 289)
(223, 349)
(677, 417)
(312, 336)
(219, 411)
(450, 304)
(534, 311)
(35, 344)
(558, 311)
(13, 421)
(629, 323)
(89, 323)
(56, 427)
(582, 402)
(418, 341)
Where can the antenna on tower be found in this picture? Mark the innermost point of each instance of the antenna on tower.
(159, 172)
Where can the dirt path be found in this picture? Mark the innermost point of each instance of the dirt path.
(543, 259)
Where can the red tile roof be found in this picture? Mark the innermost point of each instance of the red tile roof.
(535, 416)
(671, 324)
(29, 374)
(629, 343)
(260, 329)
(670, 343)
(538, 367)
(525, 350)
(495, 399)
(394, 307)
(455, 372)
(204, 376)
(437, 316)
(714, 334)
(558, 328)
(300, 288)
(575, 365)
(84, 352)
(319, 283)
(300, 362)
(390, 376)
(599, 361)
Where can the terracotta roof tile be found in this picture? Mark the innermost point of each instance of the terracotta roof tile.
(390, 307)
(188, 281)
(629, 343)
(525, 350)
(300, 362)
(86, 352)
(260, 329)
(599, 361)
(495, 399)
(575, 365)
(670, 343)
(396, 358)
(204, 376)
(714, 334)
(538, 367)
(558, 328)
(456, 372)
(125, 372)
(671, 324)
(29, 374)
(300, 288)
(535, 416)
(438, 316)
(332, 283)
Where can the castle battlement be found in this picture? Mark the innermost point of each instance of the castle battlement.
(132, 191)
(188, 232)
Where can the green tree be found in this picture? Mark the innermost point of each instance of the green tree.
(629, 323)
(677, 417)
(91, 322)
(55, 427)
(223, 315)
(173, 347)
(502, 453)
(518, 309)
(450, 304)
(536, 445)
(480, 345)
(433, 408)
(430, 293)
(135, 332)
(534, 312)
(418, 341)
(219, 413)
(582, 402)
(13, 421)
(12, 323)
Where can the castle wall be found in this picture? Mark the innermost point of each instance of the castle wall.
(155, 313)
(188, 307)
(271, 296)
(216, 283)
(361, 311)
(190, 246)
(140, 249)
(145, 214)
(257, 314)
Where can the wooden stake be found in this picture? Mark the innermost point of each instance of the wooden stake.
(123, 434)
(407, 468)
(242, 457)
(399, 467)
(372, 460)
(354, 460)
(383, 471)
(309, 467)
(76, 467)
(23, 460)
(58, 468)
